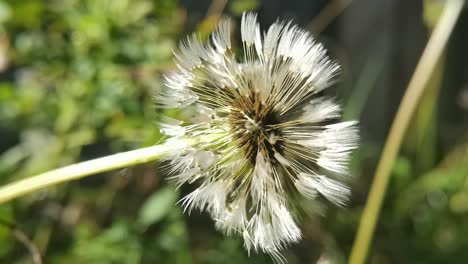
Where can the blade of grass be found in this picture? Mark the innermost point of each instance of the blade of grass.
(326, 16)
(364, 84)
(416, 86)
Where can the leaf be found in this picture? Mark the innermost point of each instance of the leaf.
(5, 12)
(239, 6)
(449, 176)
(6, 212)
(157, 206)
(116, 244)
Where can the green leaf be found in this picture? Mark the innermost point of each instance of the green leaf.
(117, 244)
(157, 206)
(6, 212)
(5, 12)
(239, 6)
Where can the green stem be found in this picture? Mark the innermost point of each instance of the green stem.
(416, 86)
(87, 168)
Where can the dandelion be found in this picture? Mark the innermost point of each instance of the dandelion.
(273, 134)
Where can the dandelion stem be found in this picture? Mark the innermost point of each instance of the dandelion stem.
(416, 86)
(87, 168)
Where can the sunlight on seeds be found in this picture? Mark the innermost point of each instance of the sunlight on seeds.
(278, 133)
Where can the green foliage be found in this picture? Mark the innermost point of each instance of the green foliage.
(243, 5)
(77, 80)
(157, 206)
(116, 244)
(91, 67)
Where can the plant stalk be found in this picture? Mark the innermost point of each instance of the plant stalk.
(87, 168)
(416, 87)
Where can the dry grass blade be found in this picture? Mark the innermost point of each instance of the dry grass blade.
(418, 82)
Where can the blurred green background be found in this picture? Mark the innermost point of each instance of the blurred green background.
(77, 80)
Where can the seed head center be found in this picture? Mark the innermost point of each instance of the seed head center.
(252, 123)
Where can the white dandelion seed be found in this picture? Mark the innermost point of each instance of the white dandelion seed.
(273, 133)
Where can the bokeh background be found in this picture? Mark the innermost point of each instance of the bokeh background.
(77, 80)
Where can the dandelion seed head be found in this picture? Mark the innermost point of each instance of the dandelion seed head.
(272, 132)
